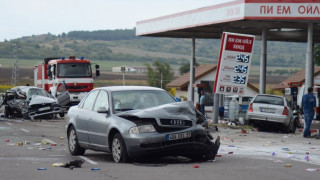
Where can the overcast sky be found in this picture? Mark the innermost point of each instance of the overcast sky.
(33, 17)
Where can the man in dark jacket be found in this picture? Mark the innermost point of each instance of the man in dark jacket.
(309, 108)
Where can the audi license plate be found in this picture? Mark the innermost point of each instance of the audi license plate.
(177, 136)
(44, 108)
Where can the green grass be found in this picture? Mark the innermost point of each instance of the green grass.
(23, 63)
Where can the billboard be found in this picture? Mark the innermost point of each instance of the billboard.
(234, 64)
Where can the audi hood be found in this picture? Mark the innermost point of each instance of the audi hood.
(179, 110)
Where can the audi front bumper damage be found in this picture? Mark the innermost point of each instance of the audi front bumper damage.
(180, 131)
(158, 145)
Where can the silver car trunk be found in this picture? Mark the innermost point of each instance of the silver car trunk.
(268, 108)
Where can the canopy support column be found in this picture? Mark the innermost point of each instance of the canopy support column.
(263, 62)
(216, 108)
(192, 70)
(309, 58)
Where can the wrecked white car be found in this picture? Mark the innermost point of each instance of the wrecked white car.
(29, 102)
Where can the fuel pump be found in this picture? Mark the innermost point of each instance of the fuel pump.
(293, 87)
(293, 92)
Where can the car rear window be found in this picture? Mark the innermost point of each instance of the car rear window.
(269, 100)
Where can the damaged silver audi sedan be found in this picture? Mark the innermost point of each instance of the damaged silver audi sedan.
(29, 102)
(136, 121)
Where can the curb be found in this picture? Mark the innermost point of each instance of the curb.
(311, 130)
(313, 122)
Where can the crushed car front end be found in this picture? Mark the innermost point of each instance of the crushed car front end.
(29, 102)
(175, 129)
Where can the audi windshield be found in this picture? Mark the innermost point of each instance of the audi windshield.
(74, 70)
(139, 99)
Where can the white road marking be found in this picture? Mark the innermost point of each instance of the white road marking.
(48, 140)
(88, 160)
(9, 124)
(24, 130)
(57, 155)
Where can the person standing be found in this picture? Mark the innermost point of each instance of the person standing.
(309, 108)
(202, 102)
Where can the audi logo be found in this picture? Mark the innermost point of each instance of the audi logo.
(177, 122)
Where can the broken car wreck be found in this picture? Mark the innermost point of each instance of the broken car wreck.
(29, 102)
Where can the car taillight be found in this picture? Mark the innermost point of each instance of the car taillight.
(285, 111)
(250, 109)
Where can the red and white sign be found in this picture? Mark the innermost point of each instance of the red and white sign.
(304, 10)
(234, 64)
(282, 9)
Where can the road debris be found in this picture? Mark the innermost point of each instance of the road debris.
(285, 149)
(76, 163)
(288, 165)
(307, 158)
(313, 169)
(41, 169)
(243, 131)
(278, 161)
(58, 165)
(44, 142)
(95, 169)
(196, 166)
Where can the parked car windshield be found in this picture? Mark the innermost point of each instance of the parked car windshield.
(139, 99)
(269, 100)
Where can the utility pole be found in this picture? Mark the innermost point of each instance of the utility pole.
(123, 70)
(161, 80)
(15, 68)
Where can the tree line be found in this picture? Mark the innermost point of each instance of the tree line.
(98, 45)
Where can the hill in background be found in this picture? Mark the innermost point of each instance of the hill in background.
(123, 45)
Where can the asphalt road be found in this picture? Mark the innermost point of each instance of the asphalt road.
(248, 156)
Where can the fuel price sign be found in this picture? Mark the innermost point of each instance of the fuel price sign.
(234, 63)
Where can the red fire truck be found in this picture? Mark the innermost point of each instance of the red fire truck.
(69, 80)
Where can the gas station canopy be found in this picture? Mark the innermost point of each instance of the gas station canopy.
(284, 20)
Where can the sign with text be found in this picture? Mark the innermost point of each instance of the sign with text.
(234, 64)
(292, 9)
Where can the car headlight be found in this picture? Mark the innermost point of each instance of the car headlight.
(142, 129)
